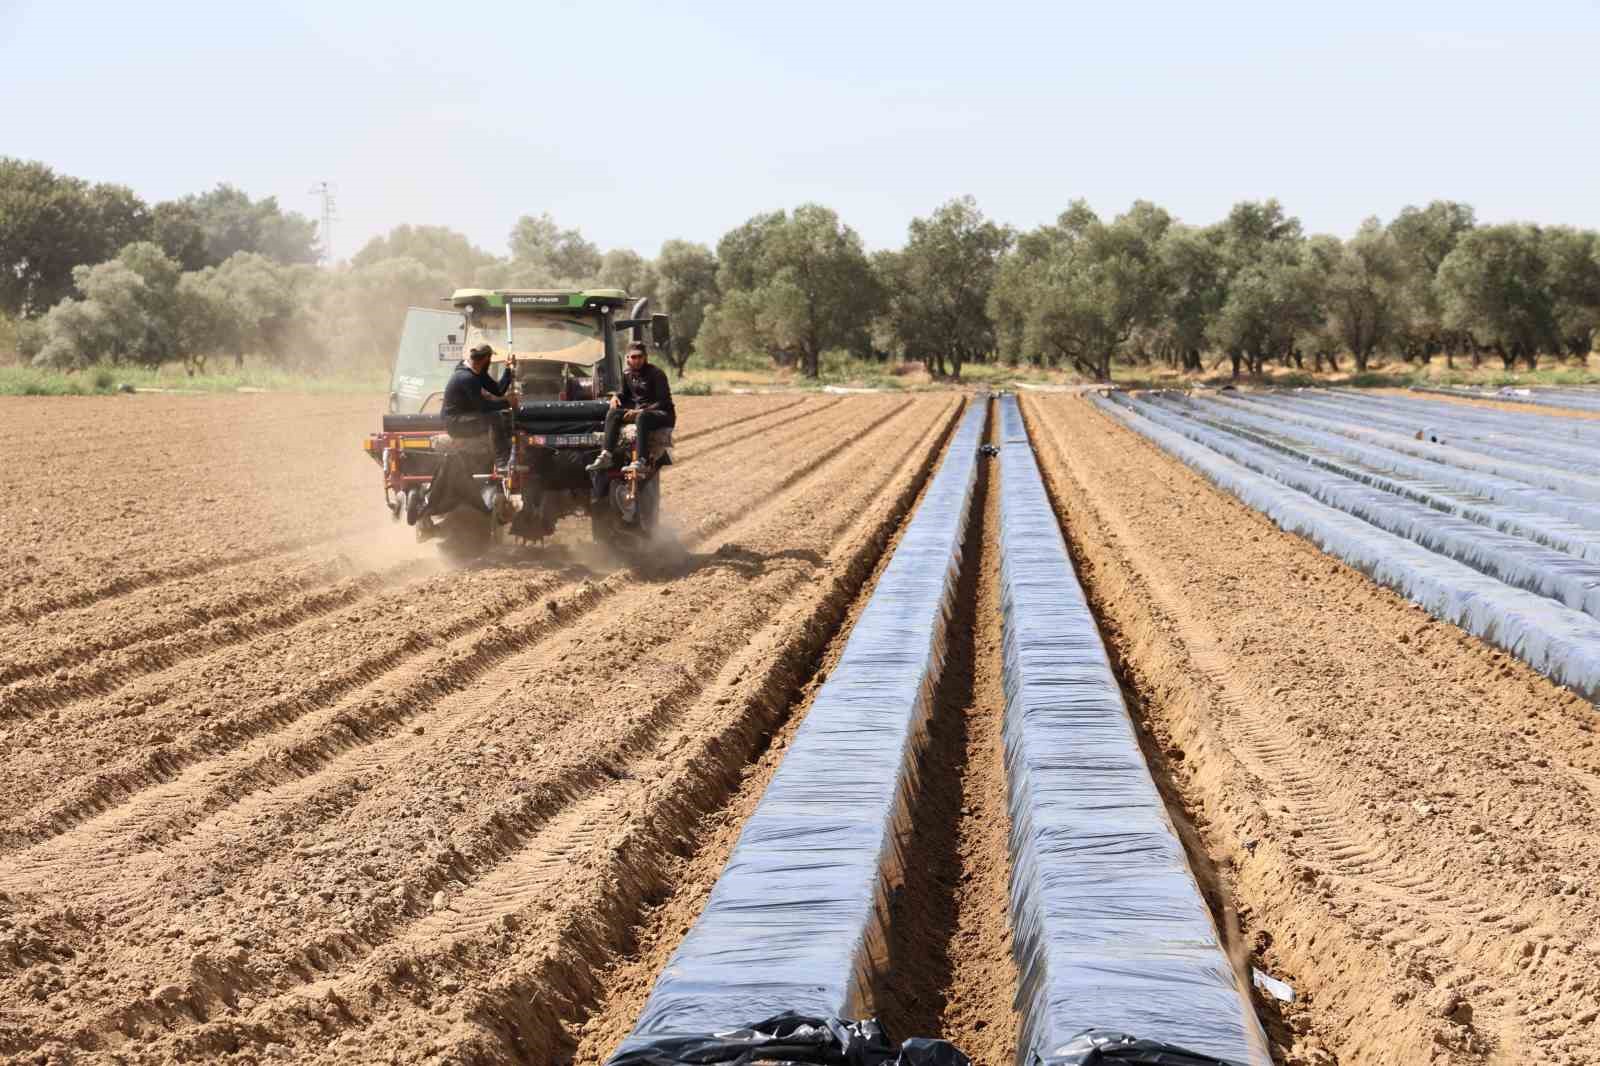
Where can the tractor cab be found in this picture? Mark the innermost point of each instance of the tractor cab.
(563, 344)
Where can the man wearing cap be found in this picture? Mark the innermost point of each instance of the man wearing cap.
(646, 401)
(471, 410)
(472, 400)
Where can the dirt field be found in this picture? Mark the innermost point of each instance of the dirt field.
(276, 783)
(275, 780)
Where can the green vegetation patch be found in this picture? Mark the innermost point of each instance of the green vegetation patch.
(104, 380)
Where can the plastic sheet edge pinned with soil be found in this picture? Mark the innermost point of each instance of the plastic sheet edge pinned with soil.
(796, 921)
(1111, 930)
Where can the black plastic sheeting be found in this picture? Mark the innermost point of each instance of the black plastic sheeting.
(796, 922)
(795, 1040)
(1110, 929)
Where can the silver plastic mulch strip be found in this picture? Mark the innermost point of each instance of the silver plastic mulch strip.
(1110, 929)
(1556, 640)
(796, 920)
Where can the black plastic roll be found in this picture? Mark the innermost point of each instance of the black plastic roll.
(413, 423)
(562, 410)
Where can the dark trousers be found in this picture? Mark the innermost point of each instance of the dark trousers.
(646, 421)
(492, 420)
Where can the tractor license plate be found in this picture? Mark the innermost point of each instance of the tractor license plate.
(568, 440)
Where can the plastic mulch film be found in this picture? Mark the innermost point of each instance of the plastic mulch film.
(1565, 523)
(1546, 427)
(796, 919)
(1111, 931)
(1567, 579)
(1465, 430)
(1557, 641)
(1574, 399)
(1586, 487)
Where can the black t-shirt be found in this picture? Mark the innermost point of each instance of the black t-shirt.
(646, 387)
(462, 395)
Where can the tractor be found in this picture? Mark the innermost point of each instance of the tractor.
(563, 348)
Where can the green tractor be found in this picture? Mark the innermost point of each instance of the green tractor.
(564, 350)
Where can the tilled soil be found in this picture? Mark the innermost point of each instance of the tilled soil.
(339, 800)
(1404, 818)
(277, 783)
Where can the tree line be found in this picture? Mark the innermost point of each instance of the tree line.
(92, 274)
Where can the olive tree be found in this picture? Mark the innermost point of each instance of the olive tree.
(248, 304)
(439, 248)
(1361, 292)
(626, 269)
(794, 284)
(1423, 237)
(937, 288)
(542, 249)
(1572, 275)
(1494, 284)
(1081, 287)
(686, 285)
(131, 310)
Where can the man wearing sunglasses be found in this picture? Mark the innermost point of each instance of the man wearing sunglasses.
(646, 401)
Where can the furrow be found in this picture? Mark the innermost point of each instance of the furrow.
(701, 724)
(392, 661)
(192, 787)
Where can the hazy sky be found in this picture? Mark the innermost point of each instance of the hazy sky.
(638, 122)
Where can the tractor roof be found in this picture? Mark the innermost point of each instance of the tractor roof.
(553, 299)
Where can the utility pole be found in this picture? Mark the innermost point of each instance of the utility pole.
(329, 213)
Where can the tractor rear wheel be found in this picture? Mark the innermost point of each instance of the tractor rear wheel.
(648, 508)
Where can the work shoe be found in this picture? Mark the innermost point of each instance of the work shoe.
(603, 461)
